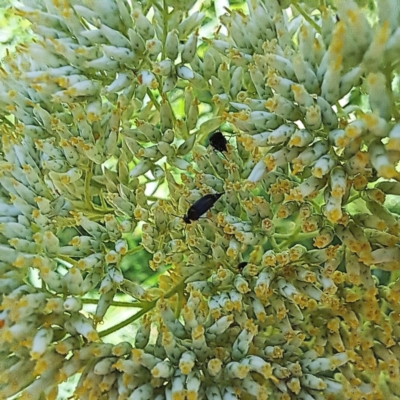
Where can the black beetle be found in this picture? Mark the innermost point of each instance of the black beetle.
(218, 141)
(199, 207)
(241, 265)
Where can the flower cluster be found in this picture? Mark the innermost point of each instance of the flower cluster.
(289, 288)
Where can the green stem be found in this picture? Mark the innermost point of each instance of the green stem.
(175, 289)
(179, 303)
(7, 122)
(353, 198)
(282, 235)
(67, 260)
(128, 321)
(156, 5)
(133, 251)
(88, 177)
(153, 99)
(291, 238)
(306, 16)
(316, 206)
(128, 304)
(274, 245)
(165, 28)
(93, 215)
(146, 307)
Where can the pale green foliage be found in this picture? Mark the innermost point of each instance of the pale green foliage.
(289, 289)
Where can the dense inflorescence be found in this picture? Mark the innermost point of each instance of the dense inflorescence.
(289, 288)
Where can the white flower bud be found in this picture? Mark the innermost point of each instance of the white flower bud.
(329, 117)
(354, 130)
(322, 166)
(95, 36)
(103, 63)
(192, 115)
(248, 238)
(172, 44)
(380, 160)
(338, 181)
(259, 309)
(154, 48)
(258, 172)
(242, 343)
(301, 138)
(143, 392)
(258, 80)
(148, 79)
(184, 73)
(326, 364)
(142, 335)
(41, 342)
(281, 85)
(56, 165)
(72, 304)
(209, 65)
(330, 84)
(120, 54)
(210, 125)
(230, 393)
(137, 43)
(313, 118)
(189, 48)
(220, 326)
(71, 176)
(349, 80)
(216, 85)
(17, 187)
(141, 168)
(213, 392)
(82, 326)
(302, 97)
(281, 134)
(21, 205)
(376, 125)
(186, 362)
(190, 23)
(123, 80)
(385, 255)
(73, 281)
(164, 67)
(83, 88)
(91, 262)
(283, 65)
(241, 106)
(236, 370)
(339, 138)
(283, 108)
(236, 82)
(379, 96)
(143, 25)
(106, 284)
(104, 366)
(187, 145)
(163, 369)
(91, 280)
(309, 155)
(116, 275)
(257, 364)
(286, 289)
(170, 321)
(53, 280)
